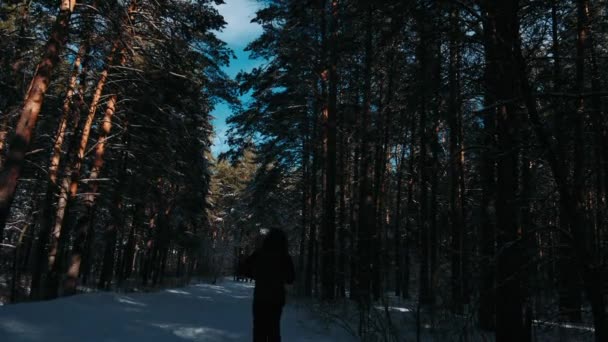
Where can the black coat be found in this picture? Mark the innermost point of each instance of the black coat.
(271, 271)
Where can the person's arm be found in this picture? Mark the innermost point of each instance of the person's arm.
(291, 273)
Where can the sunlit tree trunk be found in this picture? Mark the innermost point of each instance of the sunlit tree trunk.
(16, 64)
(68, 112)
(68, 187)
(20, 142)
(69, 184)
(82, 230)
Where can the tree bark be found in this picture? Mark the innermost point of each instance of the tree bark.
(312, 235)
(70, 109)
(487, 295)
(456, 169)
(588, 269)
(342, 229)
(366, 219)
(83, 229)
(328, 255)
(397, 219)
(69, 184)
(503, 22)
(20, 142)
(306, 200)
(424, 219)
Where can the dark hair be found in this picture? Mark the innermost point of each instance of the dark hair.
(275, 241)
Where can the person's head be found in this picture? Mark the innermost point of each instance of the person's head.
(275, 241)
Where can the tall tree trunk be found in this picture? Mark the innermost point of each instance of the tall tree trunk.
(306, 179)
(527, 234)
(20, 142)
(405, 291)
(16, 64)
(73, 168)
(397, 219)
(83, 229)
(503, 22)
(487, 294)
(378, 190)
(455, 169)
(569, 295)
(588, 268)
(312, 235)
(589, 271)
(600, 141)
(367, 213)
(107, 268)
(131, 250)
(328, 257)
(433, 211)
(117, 217)
(424, 224)
(17, 255)
(354, 214)
(342, 181)
(69, 184)
(74, 113)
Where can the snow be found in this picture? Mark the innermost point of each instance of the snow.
(201, 312)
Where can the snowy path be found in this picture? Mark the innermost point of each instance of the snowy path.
(196, 313)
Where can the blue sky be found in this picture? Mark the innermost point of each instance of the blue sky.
(237, 34)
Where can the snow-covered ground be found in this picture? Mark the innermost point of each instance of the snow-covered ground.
(200, 312)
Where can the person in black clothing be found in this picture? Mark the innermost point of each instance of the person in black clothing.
(271, 267)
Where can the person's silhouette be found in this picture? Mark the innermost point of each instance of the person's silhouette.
(271, 267)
